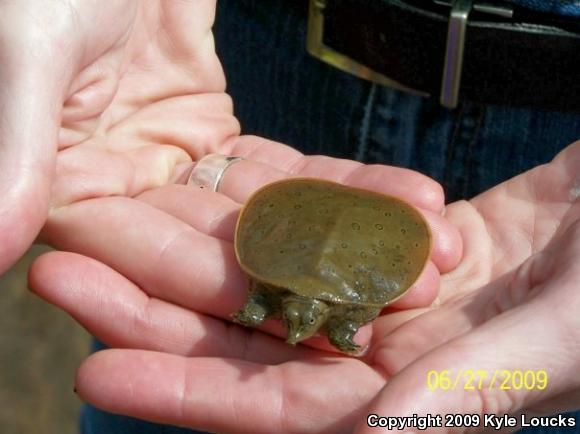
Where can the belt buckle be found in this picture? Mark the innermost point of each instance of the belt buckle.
(315, 46)
(452, 60)
(454, 48)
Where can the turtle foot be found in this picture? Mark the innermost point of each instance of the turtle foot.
(250, 316)
(342, 338)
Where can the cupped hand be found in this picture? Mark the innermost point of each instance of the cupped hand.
(99, 82)
(164, 280)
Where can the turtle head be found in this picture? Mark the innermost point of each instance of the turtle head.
(303, 317)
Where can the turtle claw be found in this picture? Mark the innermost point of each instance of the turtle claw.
(251, 315)
(350, 348)
(242, 317)
(342, 338)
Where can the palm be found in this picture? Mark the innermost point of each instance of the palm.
(101, 83)
(158, 72)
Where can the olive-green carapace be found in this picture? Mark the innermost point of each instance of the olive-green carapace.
(326, 257)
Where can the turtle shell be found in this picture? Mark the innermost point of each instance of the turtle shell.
(331, 242)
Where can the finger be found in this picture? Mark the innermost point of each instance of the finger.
(216, 215)
(407, 184)
(164, 256)
(262, 150)
(210, 213)
(424, 290)
(244, 177)
(226, 395)
(121, 315)
(29, 118)
(87, 171)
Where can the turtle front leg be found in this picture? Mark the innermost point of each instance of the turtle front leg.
(344, 324)
(260, 305)
(341, 334)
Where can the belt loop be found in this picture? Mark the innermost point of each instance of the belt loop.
(456, 33)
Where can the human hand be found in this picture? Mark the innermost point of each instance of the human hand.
(187, 284)
(496, 311)
(510, 305)
(102, 84)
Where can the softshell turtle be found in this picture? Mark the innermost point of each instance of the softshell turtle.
(326, 257)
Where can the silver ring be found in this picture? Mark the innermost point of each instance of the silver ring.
(209, 171)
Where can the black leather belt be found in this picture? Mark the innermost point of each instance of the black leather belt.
(467, 50)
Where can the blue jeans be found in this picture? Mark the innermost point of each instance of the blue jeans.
(559, 7)
(282, 93)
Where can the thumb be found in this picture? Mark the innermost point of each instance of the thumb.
(30, 106)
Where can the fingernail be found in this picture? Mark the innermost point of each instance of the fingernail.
(363, 351)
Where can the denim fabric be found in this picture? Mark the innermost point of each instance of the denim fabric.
(282, 93)
(94, 421)
(570, 8)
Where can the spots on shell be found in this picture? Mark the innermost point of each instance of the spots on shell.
(327, 234)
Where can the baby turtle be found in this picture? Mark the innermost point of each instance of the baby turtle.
(326, 258)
